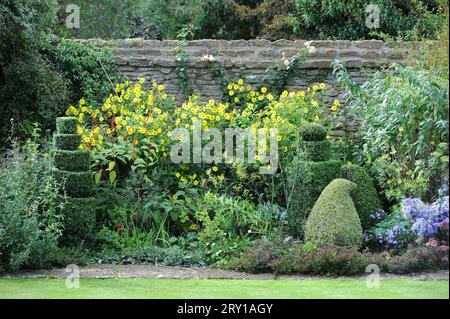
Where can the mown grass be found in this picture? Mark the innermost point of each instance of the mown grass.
(185, 289)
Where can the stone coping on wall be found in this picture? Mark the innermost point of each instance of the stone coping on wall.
(157, 60)
(258, 53)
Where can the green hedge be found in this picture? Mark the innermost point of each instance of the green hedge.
(306, 181)
(76, 184)
(79, 220)
(334, 220)
(66, 125)
(365, 196)
(68, 142)
(313, 132)
(76, 161)
(316, 151)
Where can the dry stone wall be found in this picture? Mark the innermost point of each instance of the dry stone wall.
(153, 59)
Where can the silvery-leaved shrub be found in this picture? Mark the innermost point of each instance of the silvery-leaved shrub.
(30, 223)
(403, 135)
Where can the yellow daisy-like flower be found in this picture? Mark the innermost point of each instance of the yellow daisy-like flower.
(264, 89)
(328, 137)
(215, 168)
(240, 81)
(280, 138)
(322, 86)
(141, 80)
(314, 103)
(177, 174)
(231, 93)
(195, 182)
(336, 103)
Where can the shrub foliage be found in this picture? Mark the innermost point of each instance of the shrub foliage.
(334, 220)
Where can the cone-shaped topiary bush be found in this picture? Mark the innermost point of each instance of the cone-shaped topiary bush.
(308, 174)
(365, 195)
(71, 168)
(334, 220)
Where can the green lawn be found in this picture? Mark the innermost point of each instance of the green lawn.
(161, 288)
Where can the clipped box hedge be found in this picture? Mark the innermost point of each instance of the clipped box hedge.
(76, 184)
(78, 160)
(365, 196)
(306, 181)
(316, 151)
(66, 125)
(69, 142)
(313, 132)
(79, 220)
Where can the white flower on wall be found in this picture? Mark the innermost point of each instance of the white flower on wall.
(207, 57)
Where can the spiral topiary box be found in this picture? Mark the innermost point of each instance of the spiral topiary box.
(70, 166)
(309, 174)
(313, 169)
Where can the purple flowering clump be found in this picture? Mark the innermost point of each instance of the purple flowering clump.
(394, 235)
(379, 215)
(426, 220)
(443, 191)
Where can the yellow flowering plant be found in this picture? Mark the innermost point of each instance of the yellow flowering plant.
(128, 129)
(244, 96)
(132, 129)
